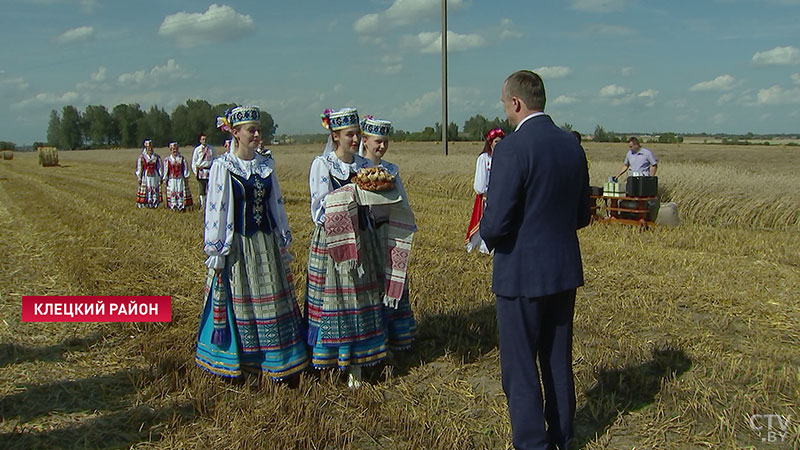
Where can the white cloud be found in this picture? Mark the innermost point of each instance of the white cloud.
(778, 56)
(100, 75)
(648, 93)
(601, 6)
(726, 98)
(720, 83)
(90, 5)
(565, 100)
(192, 29)
(15, 83)
(47, 98)
(612, 90)
(76, 36)
(796, 78)
(508, 30)
(777, 95)
(626, 71)
(719, 118)
(157, 75)
(608, 30)
(431, 42)
(403, 12)
(418, 106)
(390, 65)
(647, 97)
(553, 72)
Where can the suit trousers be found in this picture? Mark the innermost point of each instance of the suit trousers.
(540, 328)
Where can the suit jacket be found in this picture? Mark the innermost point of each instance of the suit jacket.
(538, 198)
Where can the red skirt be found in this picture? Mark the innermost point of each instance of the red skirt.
(477, 215)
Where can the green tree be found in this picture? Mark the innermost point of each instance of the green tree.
(53, 129)
(70, 136)
(476, 127)
(98, 125)
(155, 124)
(126, 118)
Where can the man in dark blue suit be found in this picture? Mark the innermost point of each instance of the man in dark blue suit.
(538, 197)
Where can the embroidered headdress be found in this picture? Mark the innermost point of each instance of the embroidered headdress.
(336, 120)
(238, 116)
(375, 127)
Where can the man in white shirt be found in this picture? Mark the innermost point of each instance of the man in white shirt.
(202, 158)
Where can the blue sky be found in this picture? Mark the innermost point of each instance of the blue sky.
(629, 65)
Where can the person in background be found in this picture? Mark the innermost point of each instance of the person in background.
(202, 158)
(251, 321)
(176, 171)
(148, 172)
(344, 302)
(538, 198)
(578, 136)
(481, 183)
(394, 228)
(639, 160)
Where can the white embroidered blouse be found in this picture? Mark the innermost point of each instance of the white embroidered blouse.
(219, 215)
(319, 179)
(482, 169)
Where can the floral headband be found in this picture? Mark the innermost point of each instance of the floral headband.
(497, 132)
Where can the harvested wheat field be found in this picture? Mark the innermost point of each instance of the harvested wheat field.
(682, 335)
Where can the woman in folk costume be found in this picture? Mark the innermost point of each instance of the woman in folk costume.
(343, 295)
(251, 320)
(482, 169)
(394, 227)
(148, 171)
(176, 170)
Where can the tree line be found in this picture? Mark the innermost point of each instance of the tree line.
(127, 125)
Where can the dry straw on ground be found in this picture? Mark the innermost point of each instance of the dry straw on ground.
(681, 334)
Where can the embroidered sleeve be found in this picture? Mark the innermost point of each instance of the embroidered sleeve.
(206, 162)
(481, 174)
(139, 168)
(319, 182)
(196, 154)
(165, 175)
(159, 166)
(185, 168)
(219, 217)
(278, 209)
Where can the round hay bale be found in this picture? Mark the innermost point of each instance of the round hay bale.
(48, 156)
(8, 154)
(668, 215)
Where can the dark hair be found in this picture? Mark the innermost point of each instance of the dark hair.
(528, 87)
(201, 135)
(577, 136)
(633, 139)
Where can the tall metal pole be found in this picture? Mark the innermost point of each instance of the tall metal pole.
(444, 76)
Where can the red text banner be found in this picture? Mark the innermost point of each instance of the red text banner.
(96, 308)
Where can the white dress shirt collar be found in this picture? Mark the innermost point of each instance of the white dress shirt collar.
(537, 113)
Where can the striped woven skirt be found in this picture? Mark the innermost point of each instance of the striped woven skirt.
(344, 308)
(178, 194)
(266, 329)
(149, 192)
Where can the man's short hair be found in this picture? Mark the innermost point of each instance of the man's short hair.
(634, 139)
(528, 87)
